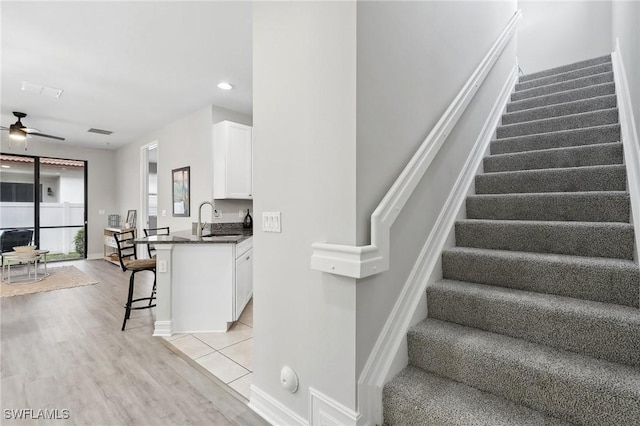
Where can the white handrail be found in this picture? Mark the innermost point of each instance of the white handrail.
(364, 261)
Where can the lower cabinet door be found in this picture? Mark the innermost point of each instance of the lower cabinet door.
(244, 282)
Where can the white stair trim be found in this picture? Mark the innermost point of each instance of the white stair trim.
(326, 411)
(629, 135)
(395, 329)
(272, 410)
(364, 261)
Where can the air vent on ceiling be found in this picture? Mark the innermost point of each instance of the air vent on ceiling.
(99, 131)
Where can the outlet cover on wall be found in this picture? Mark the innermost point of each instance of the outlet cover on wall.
(271, 222)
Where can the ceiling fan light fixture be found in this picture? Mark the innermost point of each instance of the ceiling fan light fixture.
(16, 133)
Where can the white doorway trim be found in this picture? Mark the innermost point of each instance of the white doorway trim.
(144, 190)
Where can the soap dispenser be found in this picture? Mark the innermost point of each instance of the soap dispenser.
(248, 221)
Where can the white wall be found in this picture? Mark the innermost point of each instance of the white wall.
(304, 88)
(184, 142)
(626, 27)
(554, 33)
(101, 177)
(413, 58)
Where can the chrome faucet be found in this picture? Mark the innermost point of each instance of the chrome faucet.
(200, 225)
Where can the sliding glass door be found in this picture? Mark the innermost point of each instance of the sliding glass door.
(56, 211)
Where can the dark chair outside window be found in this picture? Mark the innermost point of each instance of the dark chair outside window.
(154, 231)
(14, 238)
(129, 262)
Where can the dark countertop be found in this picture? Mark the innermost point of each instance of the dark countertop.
(218, 236)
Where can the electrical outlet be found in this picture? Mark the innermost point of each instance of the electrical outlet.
(164, 213)
(162, 266)
(101, 211)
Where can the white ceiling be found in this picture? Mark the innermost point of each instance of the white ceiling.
(128, 67)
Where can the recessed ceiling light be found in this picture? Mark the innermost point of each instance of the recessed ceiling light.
(4, 166)
(225, 86)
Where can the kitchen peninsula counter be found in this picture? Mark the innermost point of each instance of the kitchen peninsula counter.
(202, 283)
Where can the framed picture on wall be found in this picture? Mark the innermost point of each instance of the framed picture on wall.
(181, 188)
(131, 219)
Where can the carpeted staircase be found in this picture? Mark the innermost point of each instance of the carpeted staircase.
(537, 319)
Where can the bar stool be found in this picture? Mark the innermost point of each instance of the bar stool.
(154, 231)
(130, 262)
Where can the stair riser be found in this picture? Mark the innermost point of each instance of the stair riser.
(558, 110)
(592, 240)
(582, 280)
(571, 75)
(528, 316)
(561, 87)
(416, 397)
(590, 155)
(565, 68)
(558, 393)
(587, 119)
(598, 178)
(593, 207)
(563, 139)
(562, 97)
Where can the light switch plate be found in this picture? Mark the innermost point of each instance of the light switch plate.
(271, 222)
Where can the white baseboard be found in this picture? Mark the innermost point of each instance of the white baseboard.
(273, 410)
(325, 411)
(375, 371)
(630, 141)
(162, 328)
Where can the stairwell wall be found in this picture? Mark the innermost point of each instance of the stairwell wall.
(413, 58)
(555, 33)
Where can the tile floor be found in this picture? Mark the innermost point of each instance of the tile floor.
(228, 356)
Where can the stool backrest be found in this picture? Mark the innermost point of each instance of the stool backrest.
(126, 247)
(154, 231)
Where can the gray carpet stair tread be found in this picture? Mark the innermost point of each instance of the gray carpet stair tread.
(555, 124)
(571, 179)
(564, 76)
(561, 109)
(591, 80)
(557, 206)
(416, 397)
(580, 93)
(590, 278)
(602, 330)
(559, 139)
(589, 239)
(570, 386)
(573, 156)
(564, 68)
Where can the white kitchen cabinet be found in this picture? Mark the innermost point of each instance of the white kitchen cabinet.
(232, 161)
(244, 282)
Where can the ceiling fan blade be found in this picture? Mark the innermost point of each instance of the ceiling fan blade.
(30, 130)
(4, 128)
(46, 136)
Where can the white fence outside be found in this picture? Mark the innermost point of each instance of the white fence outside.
(60, 240)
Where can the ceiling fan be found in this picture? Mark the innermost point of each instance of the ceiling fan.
(20, 132)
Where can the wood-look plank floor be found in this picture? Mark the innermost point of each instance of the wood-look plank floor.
(64, 349)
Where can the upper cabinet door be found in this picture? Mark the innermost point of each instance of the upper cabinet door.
(232, 161)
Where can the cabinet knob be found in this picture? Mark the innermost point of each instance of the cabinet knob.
(248, 257)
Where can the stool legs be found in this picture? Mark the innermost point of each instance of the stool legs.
(130, 300)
